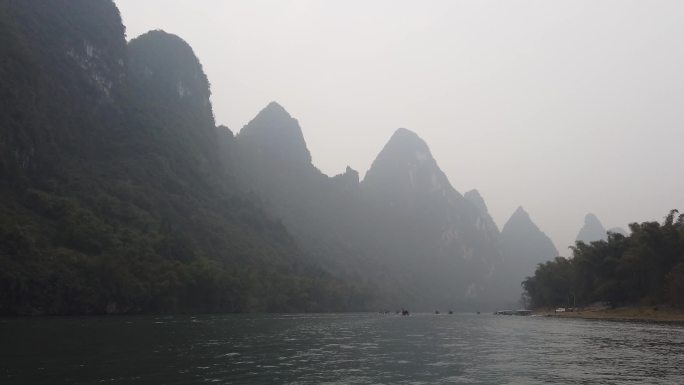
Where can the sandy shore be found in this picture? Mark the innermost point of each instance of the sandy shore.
(624, 314)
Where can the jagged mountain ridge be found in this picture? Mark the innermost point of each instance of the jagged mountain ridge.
(42, 117)
(116, 195)
(321, 212)
(123, 193)
(404, 228)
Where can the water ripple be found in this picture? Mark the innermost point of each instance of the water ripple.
(339, 349)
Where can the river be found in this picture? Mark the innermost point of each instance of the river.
(338, 349)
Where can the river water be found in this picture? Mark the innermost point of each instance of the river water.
(338, 349)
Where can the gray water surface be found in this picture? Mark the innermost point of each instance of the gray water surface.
(338, 349)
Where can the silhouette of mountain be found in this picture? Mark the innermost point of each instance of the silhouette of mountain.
(120, 194)
(592, 230)
(524, 246)
(115, 192)
(439, 238)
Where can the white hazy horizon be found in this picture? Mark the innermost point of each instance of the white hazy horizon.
(563, 107)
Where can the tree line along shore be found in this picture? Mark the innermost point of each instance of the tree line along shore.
(636, 277)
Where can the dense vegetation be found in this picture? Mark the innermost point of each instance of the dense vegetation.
(644, 268)
(115, 195)
(118, 194)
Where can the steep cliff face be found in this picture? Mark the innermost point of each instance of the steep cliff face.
(164, 69)
(63, 70)
(485, 220)
(171, 91)
(446, 242)
(275, 163)
(115, 191)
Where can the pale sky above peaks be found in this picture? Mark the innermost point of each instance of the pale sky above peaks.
(563, 107)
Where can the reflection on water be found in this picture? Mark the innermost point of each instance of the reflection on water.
(339, 349)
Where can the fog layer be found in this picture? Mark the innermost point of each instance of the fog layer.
(564, 107)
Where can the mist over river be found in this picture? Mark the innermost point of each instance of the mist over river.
(338, 349)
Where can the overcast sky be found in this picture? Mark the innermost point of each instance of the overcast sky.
(563, 107)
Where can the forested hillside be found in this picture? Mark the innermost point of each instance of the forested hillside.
(644, 268)
(120, 194)
(115, 193)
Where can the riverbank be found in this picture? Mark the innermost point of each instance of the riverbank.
(623, 314)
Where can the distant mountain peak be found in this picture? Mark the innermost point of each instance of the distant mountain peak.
(401, 131)
(521, 223)
(276, 133)
(275, 110)
(521, 214)
(524, 246)
(592, 230)
(164, 67)
(405, 167)
(591, 218)
(404, 148)
(406, 141)
(521, 226)
(520, 219)
(476, 199)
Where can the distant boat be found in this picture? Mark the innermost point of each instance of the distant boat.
(513, 312)
(436, 311)
(451, 312)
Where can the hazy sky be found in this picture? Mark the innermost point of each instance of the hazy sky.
(563, 107)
